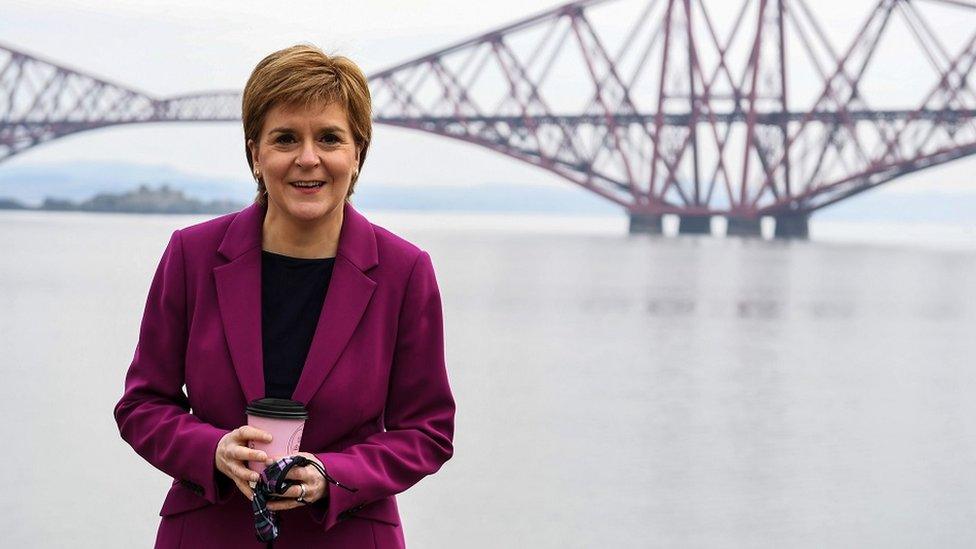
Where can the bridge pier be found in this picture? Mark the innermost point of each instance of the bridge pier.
(792, 226)
(743, 226)
(695, 224)
(643, 223)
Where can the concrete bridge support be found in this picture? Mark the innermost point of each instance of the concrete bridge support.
(793, 226)
(642, 223)
(695, 224)
(743, 226)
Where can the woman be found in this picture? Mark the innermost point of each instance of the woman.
(296, 296)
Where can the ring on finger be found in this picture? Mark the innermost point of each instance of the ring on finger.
(301, 498)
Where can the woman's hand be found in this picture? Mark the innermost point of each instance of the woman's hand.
(315, 486)
(233, 454)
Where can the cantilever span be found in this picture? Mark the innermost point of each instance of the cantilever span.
(681, 109)
(41, 100)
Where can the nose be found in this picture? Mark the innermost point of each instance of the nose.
(307, 157)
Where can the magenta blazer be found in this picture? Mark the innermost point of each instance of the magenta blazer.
(381, 412)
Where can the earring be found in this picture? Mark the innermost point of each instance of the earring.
(257, 174)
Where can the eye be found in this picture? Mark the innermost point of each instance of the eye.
(283, 138)
(330, 138)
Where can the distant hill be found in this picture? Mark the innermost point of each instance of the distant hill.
(144, 199)
(32, 185)
(83, 180)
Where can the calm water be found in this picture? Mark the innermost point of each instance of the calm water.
(612, 391)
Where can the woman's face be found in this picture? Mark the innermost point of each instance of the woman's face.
(306, 145)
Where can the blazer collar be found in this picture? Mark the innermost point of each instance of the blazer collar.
(357, 243)
(239, 299)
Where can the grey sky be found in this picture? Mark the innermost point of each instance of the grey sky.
(176, 47)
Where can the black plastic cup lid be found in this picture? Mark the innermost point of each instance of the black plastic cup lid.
(277, 408)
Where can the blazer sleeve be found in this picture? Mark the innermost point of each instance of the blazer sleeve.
(153, 414)
(419, 413)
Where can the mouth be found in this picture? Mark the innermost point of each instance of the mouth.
(307, 184)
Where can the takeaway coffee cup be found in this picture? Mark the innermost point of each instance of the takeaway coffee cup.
(284, 419)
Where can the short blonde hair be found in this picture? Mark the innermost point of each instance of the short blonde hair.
(303, 74)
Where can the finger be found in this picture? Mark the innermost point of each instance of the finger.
(243, 453)
(283, 505)
(313, 481)
(294, 492)
(245, 489)
(297, 474)
(312, 492)
(307, 474)
(242, 474)
(247, 432)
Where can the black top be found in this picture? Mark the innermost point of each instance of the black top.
(292, 292)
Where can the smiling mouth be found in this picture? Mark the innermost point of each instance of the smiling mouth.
(307, 184)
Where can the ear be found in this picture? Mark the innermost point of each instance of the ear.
(253, 147)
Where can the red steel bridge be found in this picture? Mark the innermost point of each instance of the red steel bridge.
(696, 108)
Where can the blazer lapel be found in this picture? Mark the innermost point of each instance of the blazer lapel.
(239, 298)
(350, 290)
(345, 302)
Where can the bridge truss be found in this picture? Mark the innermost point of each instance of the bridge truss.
(696, 108)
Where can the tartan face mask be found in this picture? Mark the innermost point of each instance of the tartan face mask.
(270, 484)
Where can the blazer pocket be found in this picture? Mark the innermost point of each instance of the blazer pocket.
(384, 510)
(180, 499)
